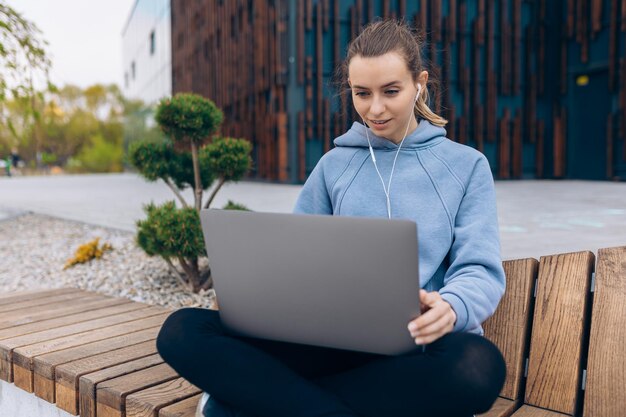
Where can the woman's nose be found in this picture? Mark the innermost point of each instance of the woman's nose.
(378, 106)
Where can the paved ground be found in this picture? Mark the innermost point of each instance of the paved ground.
(536, 217)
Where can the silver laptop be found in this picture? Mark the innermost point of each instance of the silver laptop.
(342, 282)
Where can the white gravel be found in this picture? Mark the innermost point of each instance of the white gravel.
(34, 249)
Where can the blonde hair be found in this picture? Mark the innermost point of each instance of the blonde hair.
(391, 35)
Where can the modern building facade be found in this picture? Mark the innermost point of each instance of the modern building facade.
(147, 51)
(538, 86)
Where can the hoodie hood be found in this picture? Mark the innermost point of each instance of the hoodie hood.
(426, 134)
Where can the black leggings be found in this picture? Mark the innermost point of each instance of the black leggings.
(458, 375)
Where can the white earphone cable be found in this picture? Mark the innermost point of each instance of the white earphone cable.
(387, 189)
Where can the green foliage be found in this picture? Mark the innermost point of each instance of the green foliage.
(101, 156)
(48, 158)
(25, 66)
(228, 157)
(171, 232)
(159, 160)
(231, 205)
(189, 120)
(188, 117)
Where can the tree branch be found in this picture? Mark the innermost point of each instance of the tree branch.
(220, 182)
(175, 191)
(176, 272)
(196, 175)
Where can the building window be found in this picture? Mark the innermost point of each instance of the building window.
(132, 70)
(152, 42)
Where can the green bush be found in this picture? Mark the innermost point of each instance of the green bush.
(189, 157)
(101, 156)
(171, 232)
(231, 205)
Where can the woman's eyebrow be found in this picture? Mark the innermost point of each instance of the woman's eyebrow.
(384, 86)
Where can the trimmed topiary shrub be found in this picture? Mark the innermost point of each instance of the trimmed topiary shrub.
(189, 157)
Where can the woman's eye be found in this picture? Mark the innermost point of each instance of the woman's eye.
(392, 92)
(360, 93)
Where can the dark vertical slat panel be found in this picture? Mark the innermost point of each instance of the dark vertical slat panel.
(563, 64)
(336, 34)
(491, 75)
(539, 149)
(622, 100)
(370, 10)
(402, 9)
(596, 17)
(385, 8)
(452, 21)
(476, 77)
(423, 16)
(309, 14)
(517, 45)
(462, 49)
(480, 19)
(435, 19)
(609, 146)
(326, 14)
(560, 122)
(319, 60)
(505, 50)
(504, 146)
(613, 52)
(517, 148)
(309, 97)
(301, 147)
(326, 125)
(300, 22)
(570, 18)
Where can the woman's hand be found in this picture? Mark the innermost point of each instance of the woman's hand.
(436, 320)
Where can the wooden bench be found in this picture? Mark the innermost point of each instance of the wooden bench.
(560, 330)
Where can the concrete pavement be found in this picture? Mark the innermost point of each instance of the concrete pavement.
(536, 217)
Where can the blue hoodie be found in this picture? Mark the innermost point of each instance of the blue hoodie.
(445, 187)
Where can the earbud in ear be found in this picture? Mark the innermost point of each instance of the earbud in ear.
(419, 90)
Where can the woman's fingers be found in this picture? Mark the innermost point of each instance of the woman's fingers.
(423, 322)
(436, 320)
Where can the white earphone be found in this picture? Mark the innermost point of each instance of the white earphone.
(387, 189)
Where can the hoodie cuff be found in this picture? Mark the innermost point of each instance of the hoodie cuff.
(459, 309)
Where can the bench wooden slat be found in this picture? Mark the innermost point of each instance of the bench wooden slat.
(88, 383)
(17, 297)
(606, 367)
(83, 313)
(25, 306)
(530, 411)
(23, 356)
(560, 316)
(503, 407)
(44, 366)
(184, 408)
(111, 395)
(67, 375)
(36, 332)
(43, 312)
(146, 403)
(509, 327)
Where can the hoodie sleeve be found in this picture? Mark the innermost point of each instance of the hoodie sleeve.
(474, 282)
(314, 197)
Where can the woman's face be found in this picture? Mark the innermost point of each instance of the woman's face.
(383, 93)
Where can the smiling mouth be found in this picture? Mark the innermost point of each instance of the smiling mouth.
(379, 122)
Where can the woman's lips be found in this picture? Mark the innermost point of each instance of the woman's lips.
(375, 125)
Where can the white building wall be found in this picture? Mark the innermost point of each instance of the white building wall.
(152, 78)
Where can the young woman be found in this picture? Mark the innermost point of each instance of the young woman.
(396, 163)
